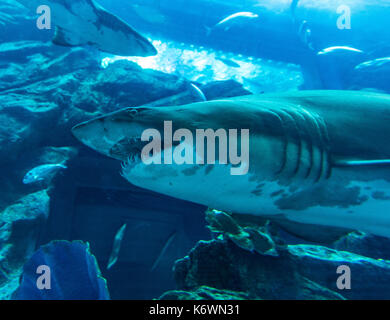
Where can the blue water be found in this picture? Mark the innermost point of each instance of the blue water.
(46, 89)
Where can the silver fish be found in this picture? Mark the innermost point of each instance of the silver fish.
(42, 173)
(166, 245)
(227, 22)
(116, 247)
(338, 49)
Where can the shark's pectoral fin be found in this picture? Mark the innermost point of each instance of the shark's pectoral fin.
(63, 37)
(362, 163)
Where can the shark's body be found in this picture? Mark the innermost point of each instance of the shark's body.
(316, 157)
(84, 22)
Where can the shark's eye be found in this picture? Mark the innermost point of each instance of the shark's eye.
(134, 111)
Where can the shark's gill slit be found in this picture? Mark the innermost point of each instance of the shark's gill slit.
(310, 136)
(294, 141)
(307, 143)
(322, 146)
(285, 142)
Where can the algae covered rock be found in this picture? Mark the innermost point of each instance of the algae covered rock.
(223, 89)
(299, 272)
(20, 226)
(124, 84)
(370, 278)
(204, 293)
(365, 244)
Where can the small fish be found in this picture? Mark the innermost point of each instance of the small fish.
(380, 62)
(305, 34)
(116, 247)
(42, 173)
(237, 15)
(229, 63)
(226, 22)
(338, 49)
(199, 92)
(164, 250)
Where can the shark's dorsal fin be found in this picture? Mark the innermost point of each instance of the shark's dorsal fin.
(362, 163)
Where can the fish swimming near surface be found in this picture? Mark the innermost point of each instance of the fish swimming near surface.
(43, 173)
(376, 63)
(84, 22)
(316, 157)
(305, 34)
(229, 62)
(116, 246)
(339, 49)
(229, 21)
(199, 92)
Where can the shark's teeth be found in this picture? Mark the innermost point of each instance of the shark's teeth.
(131, 161)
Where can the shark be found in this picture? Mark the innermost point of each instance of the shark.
(317, 158)
(84, 22)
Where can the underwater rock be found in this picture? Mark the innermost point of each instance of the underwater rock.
(50, 63)
(365, 244)
(188, 96)
(12, 131)
(369, 277)
(20, 226)
(125, 84)
(57, 154)
(204, 293)
(299, 272)
(25, 218)
(223, 89)
(54, 89)
(20, 51)
(35, 99)
(74, 274)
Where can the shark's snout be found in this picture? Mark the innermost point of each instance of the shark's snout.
(117, 135)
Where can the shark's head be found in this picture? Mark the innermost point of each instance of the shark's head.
(161, 150)
(116, 135)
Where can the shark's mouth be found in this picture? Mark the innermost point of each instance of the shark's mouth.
(127, 148)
